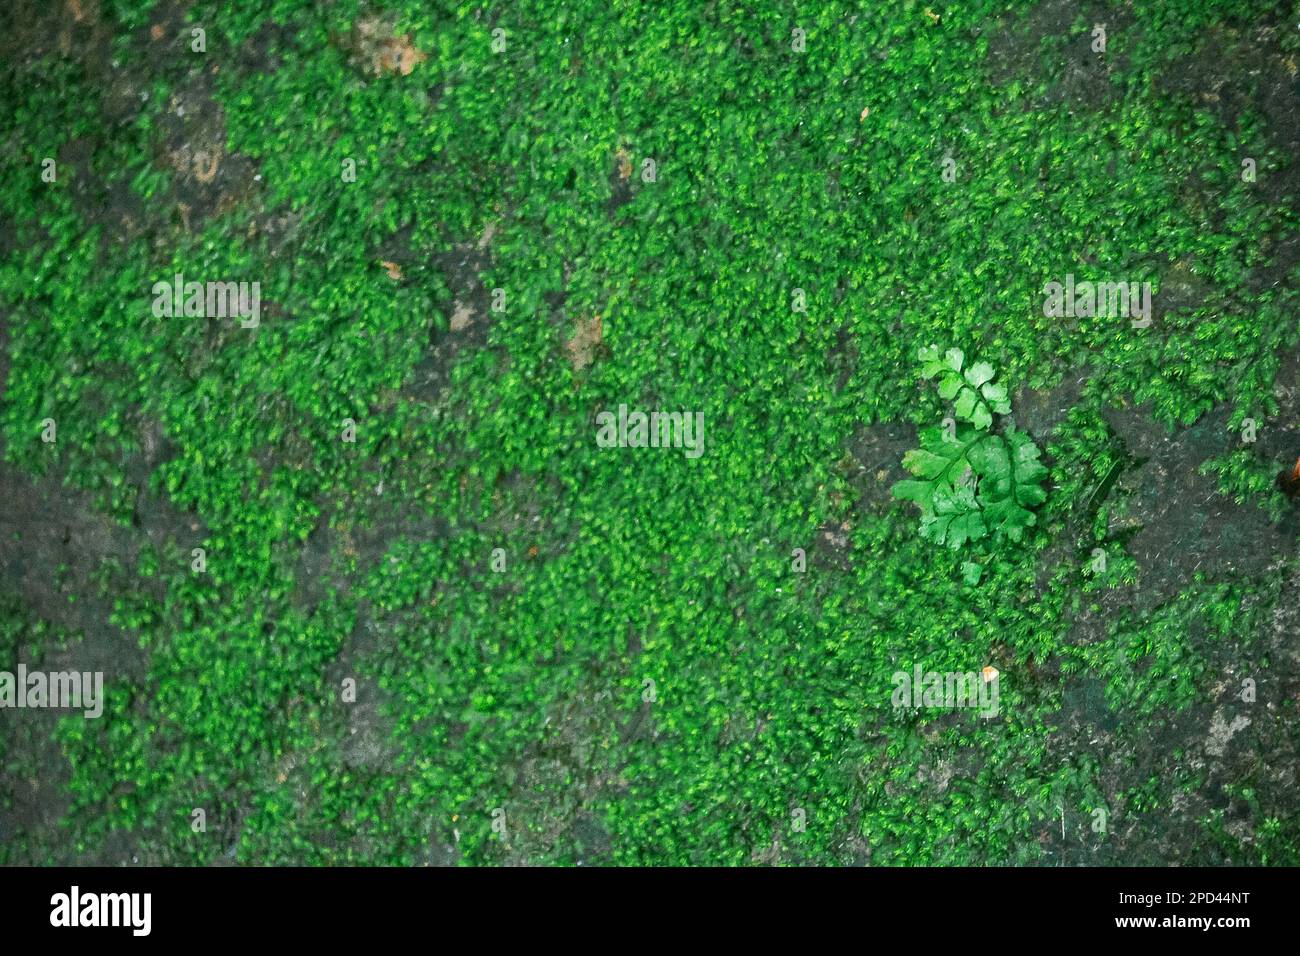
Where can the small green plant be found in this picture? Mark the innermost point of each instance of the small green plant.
(972, 480)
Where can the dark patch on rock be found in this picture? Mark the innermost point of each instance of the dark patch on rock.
(469, 311)
(264, 51)
(620, 191)
(1184, 525)
(833, 547)
(368, 736)
(875, 462)
(1083, 80)
(208, 179)
(1084, 707)
(4, 356)
(1041, 411)
(55, 547)
(591, 838)
(1278, 438)
(110, 202)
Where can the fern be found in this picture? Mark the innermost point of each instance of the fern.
(974, 393)
(972, 482)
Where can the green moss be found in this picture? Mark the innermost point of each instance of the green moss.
(527, 690)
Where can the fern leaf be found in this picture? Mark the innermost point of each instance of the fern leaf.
(1011, 482)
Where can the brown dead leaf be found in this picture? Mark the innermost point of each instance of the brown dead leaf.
(866, 111)
(400, 56)
(392, 268)
(461, 316)
(624, 163)
(208, 174)
(156, 31)
(381, 51)
(587, 336)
